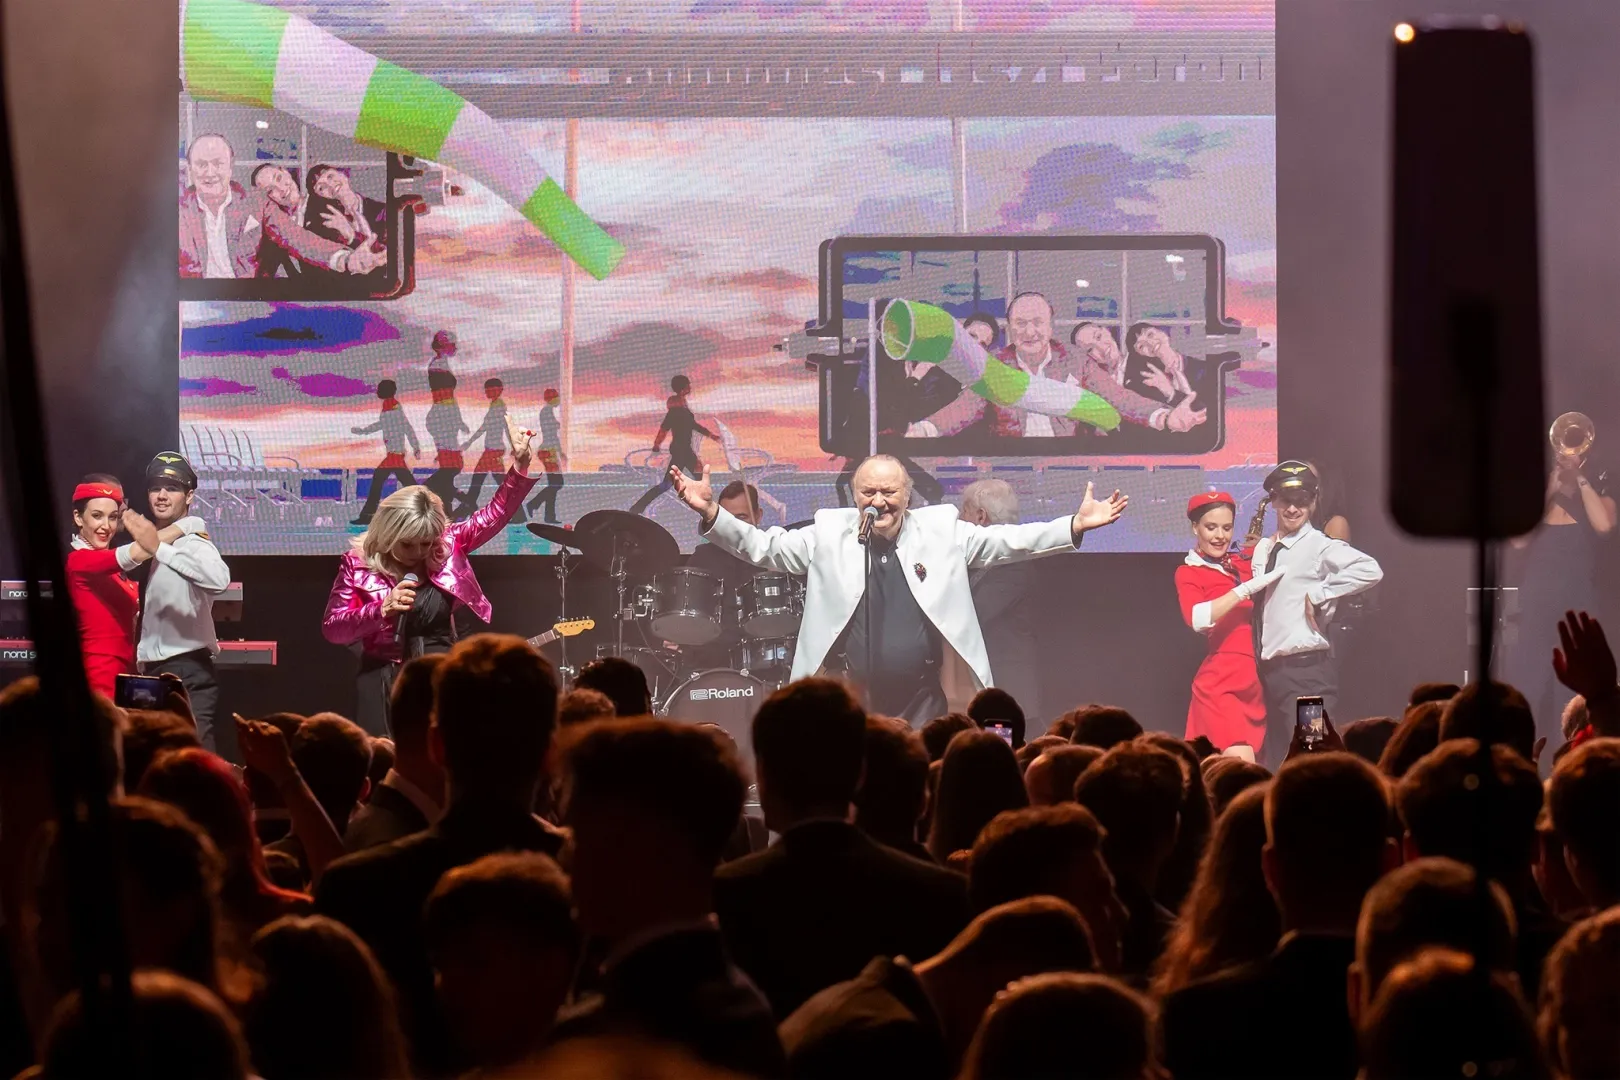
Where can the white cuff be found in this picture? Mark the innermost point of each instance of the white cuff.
(126, 558)
(1201, 620)
(339, 260)
(1157, 420)
(164, 553)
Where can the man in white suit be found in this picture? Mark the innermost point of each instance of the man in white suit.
(886, 628)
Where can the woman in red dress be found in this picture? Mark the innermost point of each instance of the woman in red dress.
(1215, 585)
(104, 597)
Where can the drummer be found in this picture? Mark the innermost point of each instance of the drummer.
(741, 501)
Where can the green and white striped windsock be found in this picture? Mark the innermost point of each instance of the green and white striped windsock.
(931, 335)
(236, 50)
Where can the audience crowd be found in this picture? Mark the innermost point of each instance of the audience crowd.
(537, 880)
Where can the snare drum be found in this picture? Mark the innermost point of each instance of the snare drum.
(770, 604)
(765, 658)
(728, 699)
(688, 608)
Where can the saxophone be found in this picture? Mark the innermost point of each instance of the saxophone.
(1257, 524)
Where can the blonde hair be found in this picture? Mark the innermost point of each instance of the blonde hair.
(411, 513)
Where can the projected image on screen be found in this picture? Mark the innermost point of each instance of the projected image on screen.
(1091, 346)
(642, 250)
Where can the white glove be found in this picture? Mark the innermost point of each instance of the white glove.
(1259, 583)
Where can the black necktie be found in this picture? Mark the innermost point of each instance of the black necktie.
(143, 583)
(1260, 600)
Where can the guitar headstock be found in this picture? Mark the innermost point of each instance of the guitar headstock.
(570, 627)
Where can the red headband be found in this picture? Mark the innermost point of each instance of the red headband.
(98, 491)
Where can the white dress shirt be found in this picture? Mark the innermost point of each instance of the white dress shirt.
(178, 609)
(219, 263)
(1321, 570)
(1036, 425)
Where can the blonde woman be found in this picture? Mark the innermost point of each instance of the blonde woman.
(388, 619)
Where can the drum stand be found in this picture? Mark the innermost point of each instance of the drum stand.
(562, 604)
(621, 576)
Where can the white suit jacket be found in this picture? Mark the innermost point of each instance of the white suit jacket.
(932, 538)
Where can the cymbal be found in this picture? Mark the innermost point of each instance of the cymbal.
(558, 534)
(647, 547)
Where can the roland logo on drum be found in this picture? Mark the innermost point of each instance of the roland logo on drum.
(715, 693)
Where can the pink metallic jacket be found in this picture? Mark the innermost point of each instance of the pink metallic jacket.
(354, 610)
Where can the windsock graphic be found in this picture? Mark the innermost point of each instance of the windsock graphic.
(239, 51)
(926, 334)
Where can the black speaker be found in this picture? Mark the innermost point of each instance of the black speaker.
(1467, 442)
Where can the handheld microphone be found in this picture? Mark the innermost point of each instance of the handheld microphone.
(404, 616)
(868, 517)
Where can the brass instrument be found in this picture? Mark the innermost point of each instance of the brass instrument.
(1257, 524)
(1572, 435)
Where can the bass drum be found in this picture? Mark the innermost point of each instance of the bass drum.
(727, 699)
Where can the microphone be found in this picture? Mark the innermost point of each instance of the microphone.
(868, 517)
(399, 627)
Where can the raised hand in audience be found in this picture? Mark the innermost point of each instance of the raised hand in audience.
(1585, 663)
(264, 748)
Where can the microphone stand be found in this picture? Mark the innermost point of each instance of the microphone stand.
(871, 674)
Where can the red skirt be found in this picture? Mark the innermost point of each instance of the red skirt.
(491, 461)
(101, 670)
(1228, 705)
(449, 459)
(392, 461)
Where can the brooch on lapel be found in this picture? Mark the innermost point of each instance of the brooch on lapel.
(921, 571)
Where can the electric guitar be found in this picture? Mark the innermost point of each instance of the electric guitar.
(567, 628)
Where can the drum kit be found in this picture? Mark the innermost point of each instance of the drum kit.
(710, 653)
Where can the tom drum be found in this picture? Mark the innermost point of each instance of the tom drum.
(770, 604)
(688, 608)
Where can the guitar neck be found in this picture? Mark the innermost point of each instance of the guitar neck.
(544, 639)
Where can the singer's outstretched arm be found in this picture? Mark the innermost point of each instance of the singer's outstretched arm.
(775, 548)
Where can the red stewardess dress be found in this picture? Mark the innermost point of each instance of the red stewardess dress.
(1228, 705)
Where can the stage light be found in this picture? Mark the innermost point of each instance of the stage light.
(262, 125)
(1404, 32)
(1174, 259)
(1082, 283)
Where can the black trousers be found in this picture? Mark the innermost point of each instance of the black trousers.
(443, 484)
(689, 465)
(927, 702)
(196, 670)
(916, 699)
(374, 688)
(378, 478)
(547, 496)
(1286, 678)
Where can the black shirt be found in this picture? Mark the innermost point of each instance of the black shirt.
(429, 627)
(907, 647)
